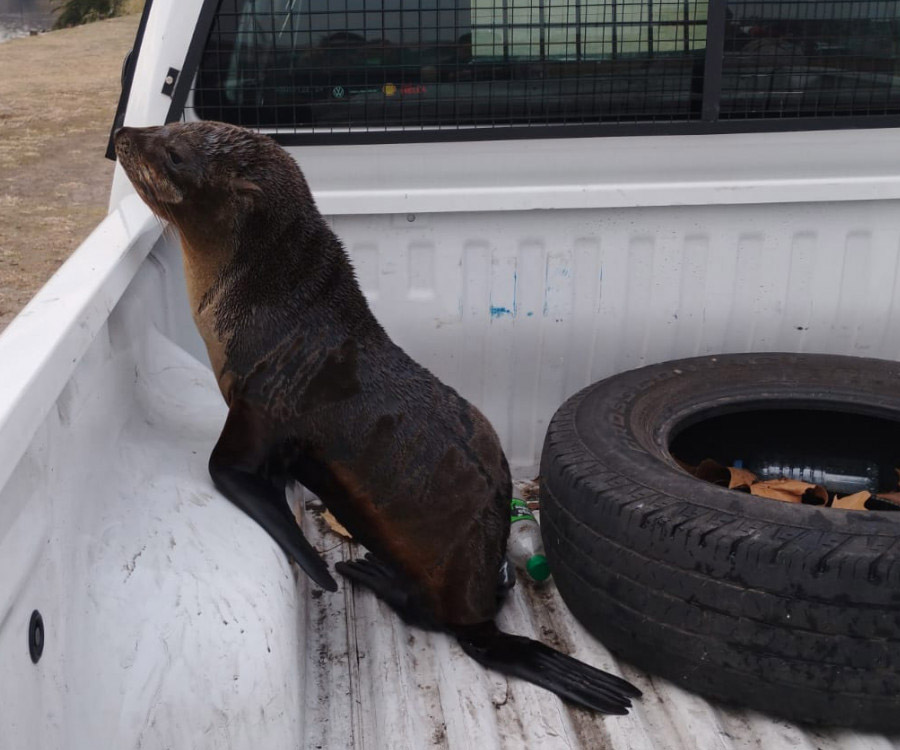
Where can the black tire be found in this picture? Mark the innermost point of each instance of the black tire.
(789, 609)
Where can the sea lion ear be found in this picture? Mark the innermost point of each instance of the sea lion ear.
(246, 187)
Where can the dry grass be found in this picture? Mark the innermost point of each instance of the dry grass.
(132, 6)
(58, 96)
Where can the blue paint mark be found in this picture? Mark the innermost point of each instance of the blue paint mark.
(515, 289)
(529, 313)
(498, 311)
(547, 288)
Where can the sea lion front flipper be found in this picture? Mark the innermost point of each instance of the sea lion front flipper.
(235, 466)
(382, 581)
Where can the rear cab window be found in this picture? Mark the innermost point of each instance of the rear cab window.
(388, 66)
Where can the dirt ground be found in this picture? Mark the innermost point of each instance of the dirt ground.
(58, 96)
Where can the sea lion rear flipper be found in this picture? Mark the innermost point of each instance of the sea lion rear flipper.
(537, 663)
(234, 465)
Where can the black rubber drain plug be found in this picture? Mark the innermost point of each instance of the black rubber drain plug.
(36, 636)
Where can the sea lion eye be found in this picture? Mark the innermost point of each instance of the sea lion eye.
(174, 157)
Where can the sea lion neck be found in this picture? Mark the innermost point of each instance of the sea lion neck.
(206, 254)
(224, 236)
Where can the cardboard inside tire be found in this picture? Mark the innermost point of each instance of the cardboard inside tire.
(790, 609)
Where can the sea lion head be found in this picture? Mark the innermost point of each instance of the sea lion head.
(248, 225)
(210, 178)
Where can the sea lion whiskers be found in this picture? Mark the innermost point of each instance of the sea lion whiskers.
(164, 191)
(147, 185)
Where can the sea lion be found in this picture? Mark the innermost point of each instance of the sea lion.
(318, 393)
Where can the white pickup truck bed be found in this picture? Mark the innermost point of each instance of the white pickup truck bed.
(519, 271)
(173, 621)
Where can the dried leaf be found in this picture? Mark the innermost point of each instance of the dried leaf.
(789, 490)
(794, 486)
(889, 503)
(712, 471)
(740, 477)
(815, 495)
(774, 490)
(529, 491)
(692, 470)
(856, 501)
(335, 525)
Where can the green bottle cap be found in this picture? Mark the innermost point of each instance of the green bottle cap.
(538, 567)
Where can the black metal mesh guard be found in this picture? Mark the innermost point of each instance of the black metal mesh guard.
(811, 59)
(339, 66)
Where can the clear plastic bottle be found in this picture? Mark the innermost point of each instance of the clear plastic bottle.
(525, 548)
(845, 476)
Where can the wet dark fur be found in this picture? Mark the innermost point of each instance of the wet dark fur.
(397, 456)
(317, 391)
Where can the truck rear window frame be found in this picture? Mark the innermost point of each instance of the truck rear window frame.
(706, 114)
